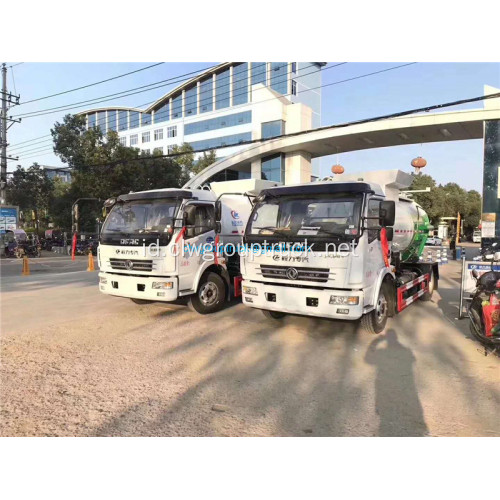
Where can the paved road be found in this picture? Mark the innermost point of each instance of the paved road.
(75, 362)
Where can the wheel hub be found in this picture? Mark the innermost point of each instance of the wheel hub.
(208, 294)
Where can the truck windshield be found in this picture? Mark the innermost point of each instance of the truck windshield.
(320, 216)
(141, 219)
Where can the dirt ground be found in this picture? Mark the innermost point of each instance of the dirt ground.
(77, 363)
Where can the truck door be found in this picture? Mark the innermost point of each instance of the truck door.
(195, 239)
(374, 260)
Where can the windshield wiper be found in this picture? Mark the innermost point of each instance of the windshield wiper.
(274, 229)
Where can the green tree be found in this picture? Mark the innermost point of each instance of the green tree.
(187, 159)
(102, 167)
(32, 191)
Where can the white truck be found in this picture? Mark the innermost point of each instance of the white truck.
(159, 245)
(358, 243)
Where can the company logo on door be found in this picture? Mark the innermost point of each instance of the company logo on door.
(235, 214)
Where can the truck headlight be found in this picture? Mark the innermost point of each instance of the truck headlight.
(346, 300)
(162, 285)
(103, 280)
(250, 290)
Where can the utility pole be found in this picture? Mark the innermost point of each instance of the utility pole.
(7, 98)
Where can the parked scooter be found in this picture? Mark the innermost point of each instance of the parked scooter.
(487, 253)
(484, 308)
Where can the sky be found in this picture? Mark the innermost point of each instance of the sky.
(409, 87)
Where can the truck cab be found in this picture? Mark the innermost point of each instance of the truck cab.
(335, 249)
(158, 245)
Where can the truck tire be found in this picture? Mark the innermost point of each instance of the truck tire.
(142, 301)
(210, 295)
(273, 315)
(374, 322)
(428, 295)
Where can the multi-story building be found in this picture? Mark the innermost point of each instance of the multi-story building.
(224, 107)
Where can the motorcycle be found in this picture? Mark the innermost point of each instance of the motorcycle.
(487, 253)
(484, 309)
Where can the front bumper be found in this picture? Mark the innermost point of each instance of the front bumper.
(304, 301)
(138, 287)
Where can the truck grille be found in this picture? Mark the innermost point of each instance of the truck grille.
(131, 264)
(315, 274)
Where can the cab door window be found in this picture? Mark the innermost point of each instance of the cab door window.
(373, 211)
(204, 219)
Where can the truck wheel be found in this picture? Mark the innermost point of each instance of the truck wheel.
(374, 322)
(210, 296)
(428, 295)
(142, 301)
(273, 315)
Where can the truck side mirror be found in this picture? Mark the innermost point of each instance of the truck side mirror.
(218, 227)
(387, 213)
(218, 211)
(389, 231)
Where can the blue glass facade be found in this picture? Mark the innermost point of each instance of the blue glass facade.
(273, 168)
(219, 122)
(177, 106)
(206, 95)
(240, 84)
(122, 120)
(112, 120)
(227, 140)
(134, 117)
(91, 123)
(279, 77)
(162, 114)
(101, 121)
(191, 101)
(222, 90)
(273, 129)
(145, 119)
(258, 73)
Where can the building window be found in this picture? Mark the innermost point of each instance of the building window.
(134, 140)
(279, 77)
(91, 123)
(206, 95)
(294, 67)
(147, 152)
(273, 168)
(122, 120)
(258, 73)
(145, 119)
(123, 141)
(170, 149)
(240, 84)
(157, 151)
(272, 129)
(177, 107)
(217, 142)
(134, 119)
(294, 87)
(112, 120)
(146, 137)
(172, 131)
(101, 121)
(222, 90)
(219, 122)
(158, 134)
(191, 101)
(162, 114)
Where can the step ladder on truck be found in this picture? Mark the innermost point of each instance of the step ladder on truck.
(160, 245)
(359, 242)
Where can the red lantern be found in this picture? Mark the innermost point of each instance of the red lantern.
(419, 162)
(338, 169)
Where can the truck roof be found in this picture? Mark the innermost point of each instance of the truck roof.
(325, 187)
(153, 194)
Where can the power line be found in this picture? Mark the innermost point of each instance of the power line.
(305, 132)
(307, 90)
(13, 65)
(284, 77)
(166, 82)
(93, 84)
